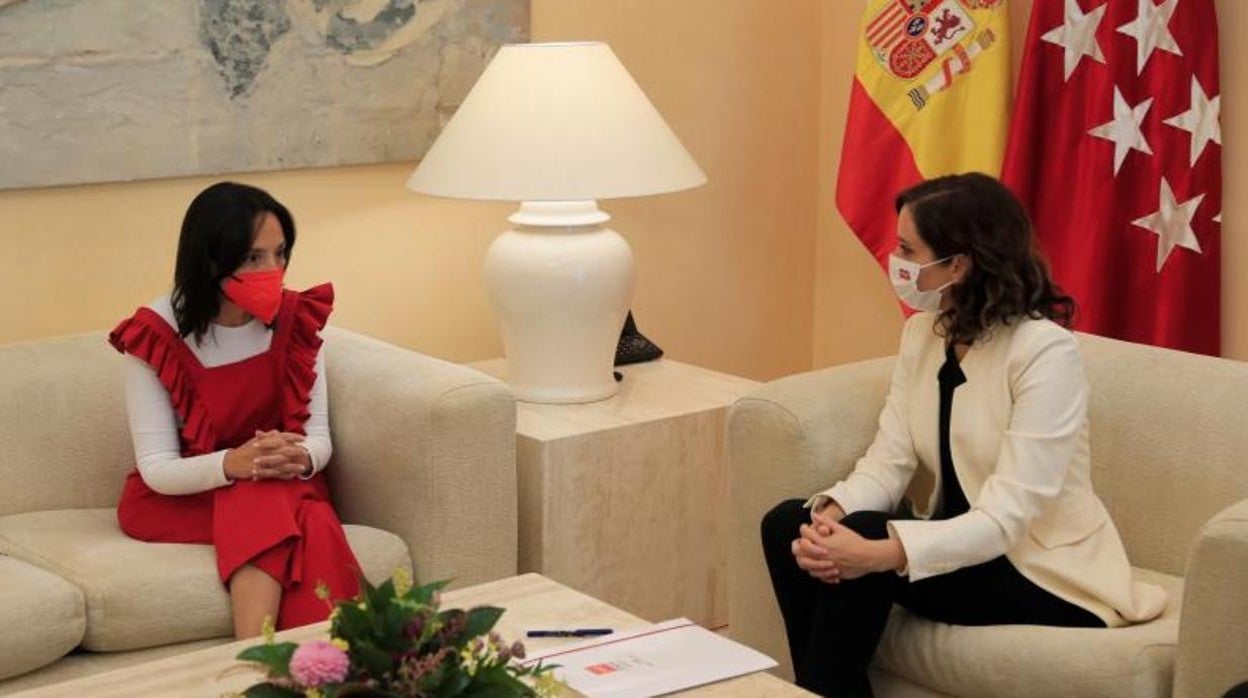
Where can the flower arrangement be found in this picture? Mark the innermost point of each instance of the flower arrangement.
(392, 641)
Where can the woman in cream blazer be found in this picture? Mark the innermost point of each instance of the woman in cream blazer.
(987, 395)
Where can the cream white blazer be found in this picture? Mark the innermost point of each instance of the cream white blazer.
(1019, 437)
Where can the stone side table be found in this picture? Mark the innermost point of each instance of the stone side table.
(624, 499)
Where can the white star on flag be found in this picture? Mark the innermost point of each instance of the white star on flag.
(1218, 218)
(1200, 120)
(1151, 31)
(1172, 222)
(1124, 130)
(1077, 35)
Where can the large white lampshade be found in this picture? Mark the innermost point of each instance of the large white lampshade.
(555, 122)
(556, 127)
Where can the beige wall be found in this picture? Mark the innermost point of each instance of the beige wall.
(725, 274)
(753, 274)
(1232, 18)
(405, 267)
(855, 314)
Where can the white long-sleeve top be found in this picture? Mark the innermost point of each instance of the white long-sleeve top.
(154, 423)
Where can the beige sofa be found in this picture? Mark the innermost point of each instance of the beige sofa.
(423, 475)
(1170, 460)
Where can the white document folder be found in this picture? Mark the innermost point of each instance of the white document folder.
(651, 661)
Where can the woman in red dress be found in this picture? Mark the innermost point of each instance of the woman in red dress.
(228, 409)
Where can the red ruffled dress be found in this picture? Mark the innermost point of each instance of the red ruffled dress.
(288, 528)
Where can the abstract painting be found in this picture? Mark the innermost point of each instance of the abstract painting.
(113, 90)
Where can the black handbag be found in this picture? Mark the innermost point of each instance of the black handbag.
(633, 347)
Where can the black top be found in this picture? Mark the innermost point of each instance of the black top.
(953, 500)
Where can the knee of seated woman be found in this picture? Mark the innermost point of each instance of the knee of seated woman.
(868, 524)
(784, 518)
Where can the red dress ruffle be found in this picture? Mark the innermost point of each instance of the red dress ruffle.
(297, 367)
(147, 336)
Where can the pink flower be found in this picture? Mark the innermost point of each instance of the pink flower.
(318, 663)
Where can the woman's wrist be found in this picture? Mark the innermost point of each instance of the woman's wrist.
(892, 555)
(896, 557)
(827, 507)
(309, 468)
(230, 465)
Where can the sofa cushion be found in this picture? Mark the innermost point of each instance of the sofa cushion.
(42, 615)
(1028, 660)
(146, 594)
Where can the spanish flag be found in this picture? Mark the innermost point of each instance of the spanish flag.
(930, 97)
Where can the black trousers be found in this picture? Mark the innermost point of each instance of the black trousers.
(833, 629)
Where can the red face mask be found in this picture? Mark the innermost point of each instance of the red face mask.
(257, 292)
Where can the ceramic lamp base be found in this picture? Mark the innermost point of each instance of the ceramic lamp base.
(561, 284)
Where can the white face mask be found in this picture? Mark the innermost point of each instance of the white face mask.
(905, 278)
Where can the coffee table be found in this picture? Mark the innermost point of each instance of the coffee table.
(530, 600)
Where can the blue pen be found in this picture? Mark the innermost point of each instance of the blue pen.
(579, 632)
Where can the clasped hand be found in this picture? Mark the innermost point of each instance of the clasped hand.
(831, 552)
(269, 455)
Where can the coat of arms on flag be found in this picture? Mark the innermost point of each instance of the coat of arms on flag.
(917, 108)
(906, 36)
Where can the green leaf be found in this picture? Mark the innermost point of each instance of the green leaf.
(379, 601)
(359, 690)
(453, 686)
(394, 621)
(271, 690)
(377, 661)
(353, 623)
(274, 657)
(385, 591)
(424, 594)
(498, 690)
(541, 668)
(427, 684)
(496, 682)
(481, 620)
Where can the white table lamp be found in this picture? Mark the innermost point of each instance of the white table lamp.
(556, 127)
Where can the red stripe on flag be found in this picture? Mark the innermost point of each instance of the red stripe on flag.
(883, 19)
(888, 40)
(883, 32)
(895, 22)
(876, 164)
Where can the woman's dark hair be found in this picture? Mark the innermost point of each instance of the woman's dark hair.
(217, 233)
(975, 215)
